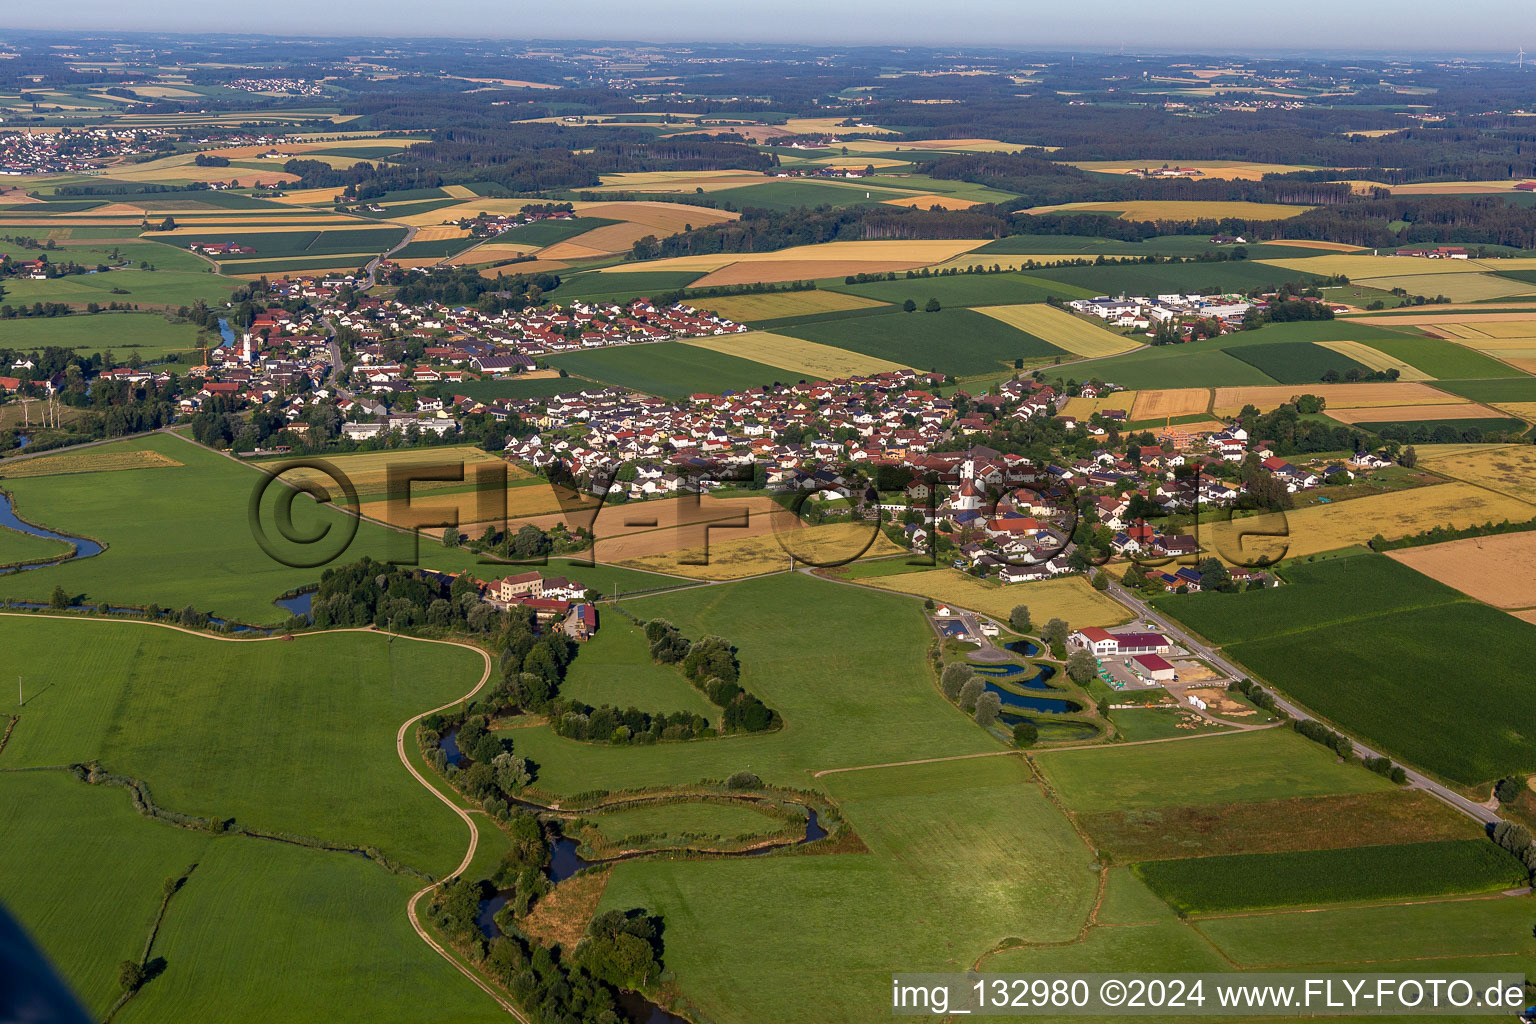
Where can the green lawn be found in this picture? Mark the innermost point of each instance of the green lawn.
(543, 387)
(16, 546)
(1255, 881)
(595, 287)
(1511, 389)
(1260, 765)
(961, 854)
(1161, 278)
(147, 335)
(615, 667)
(311, 242)
(1199, 364)
(277, 735)
(958, 341)
(844, 666)
(1292, 363)
(179, 535)
(670, 369)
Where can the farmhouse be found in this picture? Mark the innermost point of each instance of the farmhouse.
(1153, 668)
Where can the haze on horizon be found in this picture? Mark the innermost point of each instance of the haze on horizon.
(1409, 26)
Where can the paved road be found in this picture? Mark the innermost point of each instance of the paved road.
(373, 264)
(1416, 780)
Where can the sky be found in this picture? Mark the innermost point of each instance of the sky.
(1421, 26)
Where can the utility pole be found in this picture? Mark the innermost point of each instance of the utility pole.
(19, 701)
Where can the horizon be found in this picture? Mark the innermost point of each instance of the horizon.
(1418, 28)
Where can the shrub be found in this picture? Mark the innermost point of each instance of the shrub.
(1025, 734)
(743, 780)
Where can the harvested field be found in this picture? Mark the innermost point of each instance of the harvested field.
(1499, 570)
(438, 232)
(1456, 287)
(1529, 615)
(491, 252)
(1508, 469)
(815, 361)
(369, 472)
(1345, 523)
(1175, 209)
(803, 270)
(526, 267)
(834, 544)
(1455, 315)
(1067, 597)
(1274, 826)
(929, 201)
(306, 196)
(681, 181)
(1415, 413)
(90, 462)
(610, 238)
(1085, 407)
(911, 253)
(1062, 329)
(1307, 243)
(1376, 359)
(745, 308)
(459, 192)
(572, 251)
(1165, 402)
(668, 218)
(1230, 401)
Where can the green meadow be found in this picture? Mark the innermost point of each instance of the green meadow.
(147, 335)
(956, 341)
(669, 369)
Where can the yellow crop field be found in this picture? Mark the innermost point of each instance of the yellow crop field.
(459, 192)
(1508, 469)
(1520, 410)
(1307, 243)
(928, 202)
(369, 471)
(1061, 329)
(807, 358)
(920, 252)
(1174, 209)
(1344, 523)
(1069, 597)
(1415, 413)
(667, 218)
(775, 305)
(753, 556)
(681, 181)
(1082, 408)
(1229, 170)
(937, 145)
(90, 462)
(1230, 401)
(609, 238)
(438, 232)
(1499, 570)
(1456, 287)
(1166, 402)
(1375, 359)
(306, 196)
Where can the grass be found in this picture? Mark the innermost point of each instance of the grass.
(595, 287)
(1508, 425)
(1069, 598)
(1444, 360)
(1258, 881)
(1162, 278)
(1305, 639)
(1006, 289)
(1292, 363)
(866, 697)
(180, 535)
(696, 823)
(142, 287)
(1461, 929)
(273, 244)
(146, 335)
(541, 387)
(781, 305)
(1179, 366)
(669, 369)
(1272, 826)
(16, 546)
(1511, 389)
(822, 947)
(927, 341)
(793, 356)
(1262, 765)
(1476, 732)
(154, 703)
(615, 667)
(548, 232)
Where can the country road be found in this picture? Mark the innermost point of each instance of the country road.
(1416, 780)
